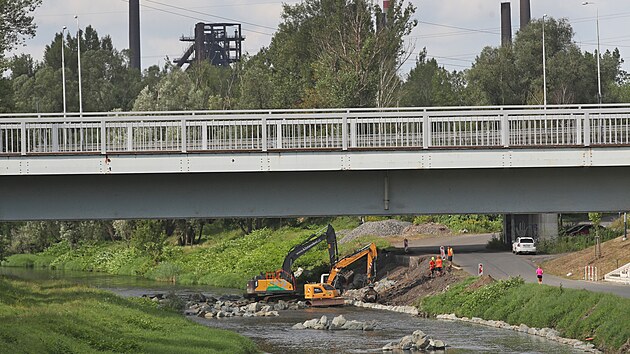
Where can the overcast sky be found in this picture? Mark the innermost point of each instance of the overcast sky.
(453, 31)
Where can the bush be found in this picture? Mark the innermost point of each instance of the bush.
(471, 223)
(496, 243)
(165, 271)
(563, 243)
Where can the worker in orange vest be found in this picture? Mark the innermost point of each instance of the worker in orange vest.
(432, 266)
(438, 266)
(450, 257)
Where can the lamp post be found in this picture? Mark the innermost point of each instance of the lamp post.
(599, 77)
(544, 62)
(76, 17)
(63, 69)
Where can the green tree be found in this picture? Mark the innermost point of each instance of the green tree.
(330, 53)
(148, 237)
(428, 84)
(16, 24)
(514, 74)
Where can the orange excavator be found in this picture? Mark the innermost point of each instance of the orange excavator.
(327, 293)
(282, 282)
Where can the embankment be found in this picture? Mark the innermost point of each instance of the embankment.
(55, 317)
(578, 314)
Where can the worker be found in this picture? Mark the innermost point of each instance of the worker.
(450, 257)
(432, 266)
(438, 266)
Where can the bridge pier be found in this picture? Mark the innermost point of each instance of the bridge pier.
(538, 226)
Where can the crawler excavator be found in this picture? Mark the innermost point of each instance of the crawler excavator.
(327, 293)
(282, 283)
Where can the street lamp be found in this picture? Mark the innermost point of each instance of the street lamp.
(599, 77)
(63, 69)
(76, 17)
(544, 62)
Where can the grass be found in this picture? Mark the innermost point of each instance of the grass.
(56, 317)
(575, 313)
(615, 253)
(226, 259)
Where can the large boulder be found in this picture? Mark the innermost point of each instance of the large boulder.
(254, 307)
(323, 320)
(337, 322)
(353, 325)
(406, 343)
(436, 344)
(311, 323)
(298, 326)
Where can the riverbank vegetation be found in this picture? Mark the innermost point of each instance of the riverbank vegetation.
(225, 257)
(222, 253)
(576, 314)
(56, 317)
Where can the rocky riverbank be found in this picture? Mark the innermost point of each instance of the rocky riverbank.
(200, 305)
(548, 333)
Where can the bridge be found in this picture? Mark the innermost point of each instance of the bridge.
(507, 159)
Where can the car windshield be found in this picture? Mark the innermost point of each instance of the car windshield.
(527, 240)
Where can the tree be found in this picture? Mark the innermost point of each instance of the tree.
(15, 22)
(108, 83)
(514, 74)
(431, 85)
(330, 53)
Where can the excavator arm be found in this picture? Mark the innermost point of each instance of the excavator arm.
(368, 251)
(298, 250)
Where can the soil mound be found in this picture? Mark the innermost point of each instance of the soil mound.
(430, 228)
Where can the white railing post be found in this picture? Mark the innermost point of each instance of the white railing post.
(279, 134)
(129, 136)
(204, 136)
(1, 143)
(505, 130)
(578, 130)
(263, 131)
(103, 137)
(184, 140)
(426, 131)
(54, 132)
(344, 132)
(587, 129)
(23, 138)
(353, 133)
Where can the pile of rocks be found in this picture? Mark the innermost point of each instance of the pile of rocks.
(417, 341)
(383, 228)
(548, 333)
(210, 307)
(429, 228)
(410, 310)
(337, 323)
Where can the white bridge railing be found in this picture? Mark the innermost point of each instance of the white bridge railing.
(332, 129)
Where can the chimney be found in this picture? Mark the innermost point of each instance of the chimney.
(506, 24)
(134, 33)
(526, 15)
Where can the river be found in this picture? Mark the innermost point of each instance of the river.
(274, 334)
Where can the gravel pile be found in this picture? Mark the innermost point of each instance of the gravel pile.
(377, 228)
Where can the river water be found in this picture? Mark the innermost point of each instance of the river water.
(275, 335)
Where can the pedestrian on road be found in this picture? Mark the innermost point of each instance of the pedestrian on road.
(432, 266)
(406, 245)
(438, 266)
(450, 257)
(539, 273)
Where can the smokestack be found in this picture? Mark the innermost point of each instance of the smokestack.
(506, 24)
(134, 33)
(526, 14)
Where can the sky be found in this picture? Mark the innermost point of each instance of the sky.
(453, 31)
